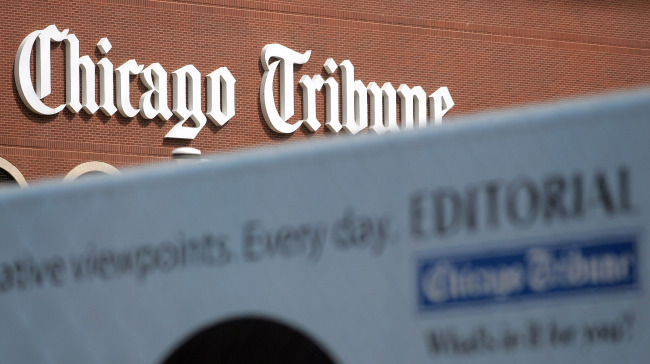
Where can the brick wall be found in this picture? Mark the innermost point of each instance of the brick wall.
(489, 54)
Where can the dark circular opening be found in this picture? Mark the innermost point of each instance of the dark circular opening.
(249, 341)
(7, 179)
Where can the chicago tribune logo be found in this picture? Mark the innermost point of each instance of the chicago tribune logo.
(114, 91)
(186, 88)
(504, 275)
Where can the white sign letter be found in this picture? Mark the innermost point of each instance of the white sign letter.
(287, 58)
(440, 102)
(22, 75)
(123, 73)
(221, 96)
(105, 66)
(73, 64)
(331, 98)
(355, 100)
(154, 78)
(414, 106)
(309, 87)
(383, 105)
(187, 103)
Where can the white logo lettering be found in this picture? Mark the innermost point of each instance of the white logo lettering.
(287, 58)
(187, 98)
(355, 97)
(80, 93)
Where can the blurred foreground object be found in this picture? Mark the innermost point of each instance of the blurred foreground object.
(517, 237)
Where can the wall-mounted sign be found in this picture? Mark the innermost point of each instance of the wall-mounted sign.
(187, 97)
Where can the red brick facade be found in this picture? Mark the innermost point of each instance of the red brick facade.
(489, 54)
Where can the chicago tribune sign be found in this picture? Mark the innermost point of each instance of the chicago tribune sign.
(370, 106)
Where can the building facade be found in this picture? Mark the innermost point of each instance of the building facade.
(484, 55)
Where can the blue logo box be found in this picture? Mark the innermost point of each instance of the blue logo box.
(542, 270)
